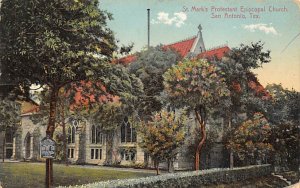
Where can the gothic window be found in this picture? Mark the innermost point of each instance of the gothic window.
(128, 133)
(93, 134)
(72, 132)
(69, 135)
(99, 135)
(96, 135)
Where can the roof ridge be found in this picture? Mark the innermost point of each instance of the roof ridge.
(216, 47)
(189, 38)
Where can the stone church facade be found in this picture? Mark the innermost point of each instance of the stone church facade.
(87, 144)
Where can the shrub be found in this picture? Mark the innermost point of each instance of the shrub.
(188, 179)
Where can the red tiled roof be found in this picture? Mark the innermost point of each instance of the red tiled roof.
(182, 47)
(257, 87)
(126, 60)
(217, 52)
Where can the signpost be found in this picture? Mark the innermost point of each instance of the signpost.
(47, 148)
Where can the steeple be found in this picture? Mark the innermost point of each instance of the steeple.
(198, 46)
(200, 28)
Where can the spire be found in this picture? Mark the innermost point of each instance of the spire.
(198, 46)
(200, 28)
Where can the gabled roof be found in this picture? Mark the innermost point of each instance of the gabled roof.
(182, 47)
(215, 52)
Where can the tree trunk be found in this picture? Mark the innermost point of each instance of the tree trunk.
(3, 146)
(49, 133)
(109, 153)
(200, 117)
(64, 134)
(156, 164)
(170, 166)
(231, 163)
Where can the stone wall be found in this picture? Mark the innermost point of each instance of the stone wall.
(189, 179)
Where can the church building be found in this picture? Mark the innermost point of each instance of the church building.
(88, 145)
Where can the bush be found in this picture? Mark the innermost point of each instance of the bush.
(188, 179)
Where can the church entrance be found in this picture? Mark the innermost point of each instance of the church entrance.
(27, 143)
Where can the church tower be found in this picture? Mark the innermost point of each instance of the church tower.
(198, 46)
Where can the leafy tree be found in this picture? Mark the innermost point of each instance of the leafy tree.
(196, 84)
(162, 135)
(9, 119)
(149, 66)
(55, 43)
(284, 104)
(251, 140)
(284, 114)
(93, 101)
(246, 94)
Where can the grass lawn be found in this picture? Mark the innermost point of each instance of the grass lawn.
(26, 175)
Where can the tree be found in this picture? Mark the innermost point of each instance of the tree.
(214, 134)
(197, 85)
(93, 101)
(55, 43)
(162, 135)
(251, 140)
(284, 114)
(246, 94)
(9, 119)
(149, 66)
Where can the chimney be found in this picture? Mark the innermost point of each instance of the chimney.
(148, 13)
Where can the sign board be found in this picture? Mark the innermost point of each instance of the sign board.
(47, 148)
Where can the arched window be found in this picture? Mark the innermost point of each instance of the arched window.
(72, 131)
(69, 135)
(96, 135)
(128, 133)
(73, 134)
(93, 134)
(99, 136)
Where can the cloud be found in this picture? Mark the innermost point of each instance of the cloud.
(266, 28)
(177, 19)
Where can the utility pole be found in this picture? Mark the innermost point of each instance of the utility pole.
(148, 13)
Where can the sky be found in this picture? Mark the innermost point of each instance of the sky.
(274, 22)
